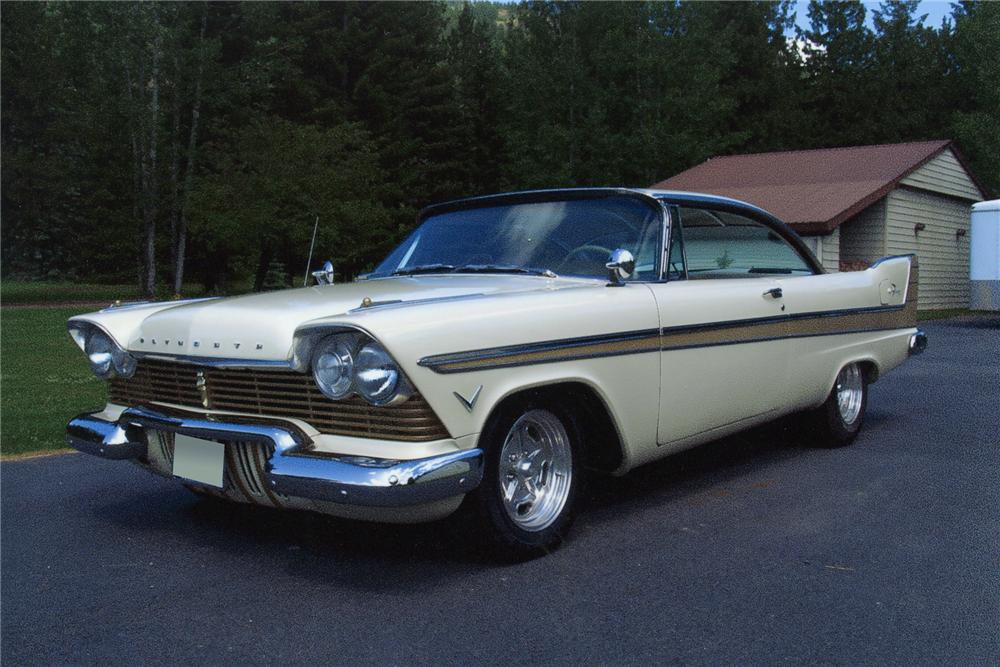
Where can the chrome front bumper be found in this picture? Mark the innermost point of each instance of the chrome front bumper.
(291, 470)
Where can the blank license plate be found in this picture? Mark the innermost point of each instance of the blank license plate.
(199, 460)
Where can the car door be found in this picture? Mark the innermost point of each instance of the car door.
(724, 361)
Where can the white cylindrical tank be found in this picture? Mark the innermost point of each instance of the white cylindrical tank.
(984, 257)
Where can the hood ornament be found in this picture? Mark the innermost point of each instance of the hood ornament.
(202, 387)
(367, 302)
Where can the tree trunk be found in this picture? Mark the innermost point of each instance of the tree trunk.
(263, 262)
(137, 185)
(175, 165)
(181, 241)
(150, 203)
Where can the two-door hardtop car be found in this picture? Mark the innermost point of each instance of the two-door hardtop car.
(508, 345)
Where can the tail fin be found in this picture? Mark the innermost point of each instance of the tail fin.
(896, 277)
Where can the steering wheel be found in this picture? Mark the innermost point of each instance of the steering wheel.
(581, 249)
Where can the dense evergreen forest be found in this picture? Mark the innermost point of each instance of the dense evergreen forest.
(199, 142)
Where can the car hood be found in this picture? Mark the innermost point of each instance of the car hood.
(262, 326)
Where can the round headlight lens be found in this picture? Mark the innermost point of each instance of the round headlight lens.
(99, 350)
(377, 377)
(333, 367)
(124, 362)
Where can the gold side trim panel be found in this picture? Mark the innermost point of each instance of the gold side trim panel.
(882, 318)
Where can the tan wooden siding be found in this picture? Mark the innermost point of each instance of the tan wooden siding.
(826, 247)
(862, 238)
(831, 251)
(944, 174)
(944, 257)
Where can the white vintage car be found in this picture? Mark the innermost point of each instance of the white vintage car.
(510, 345)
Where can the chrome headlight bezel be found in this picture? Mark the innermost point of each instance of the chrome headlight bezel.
(107, 359)
(334, 353)
(378, 378)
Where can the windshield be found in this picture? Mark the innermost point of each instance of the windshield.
(567, 237)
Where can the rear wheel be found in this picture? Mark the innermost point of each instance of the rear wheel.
(837, 422)
(532, 477)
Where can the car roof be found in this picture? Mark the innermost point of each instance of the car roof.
(672, 196)
(685, 197)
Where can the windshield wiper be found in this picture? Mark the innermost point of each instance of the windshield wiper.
(497, 268)
(425, 268)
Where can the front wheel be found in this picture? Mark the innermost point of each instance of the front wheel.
(837, 422)
(532, 477)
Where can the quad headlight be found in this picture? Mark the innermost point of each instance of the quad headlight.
(333, 367)
(107, 359)
(377, 376)
(344, 364)
(98, 350)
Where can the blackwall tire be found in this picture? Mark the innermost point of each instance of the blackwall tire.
(532, 478)
(837, 422)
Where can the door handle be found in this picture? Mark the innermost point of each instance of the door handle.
(774, 293)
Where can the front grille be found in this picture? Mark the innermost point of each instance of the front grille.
(275, 393)
(243, 474)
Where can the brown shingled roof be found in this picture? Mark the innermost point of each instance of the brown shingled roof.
(812, 190)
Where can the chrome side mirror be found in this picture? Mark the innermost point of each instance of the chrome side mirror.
(620, 266)
(325, 275)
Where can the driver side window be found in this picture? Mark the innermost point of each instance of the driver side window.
(712, 244)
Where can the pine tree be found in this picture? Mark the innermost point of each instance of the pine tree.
(276, 277)
(474, 64)
(976, 120)
(906, 69)
(839, 53)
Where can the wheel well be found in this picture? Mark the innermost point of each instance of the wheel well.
(601, 442)
(870, 369)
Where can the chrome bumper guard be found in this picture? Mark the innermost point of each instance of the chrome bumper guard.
(918, 342)
(290, 470)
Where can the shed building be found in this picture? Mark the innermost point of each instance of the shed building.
(853, 205)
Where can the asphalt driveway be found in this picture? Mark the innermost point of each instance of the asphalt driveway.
(751, 550)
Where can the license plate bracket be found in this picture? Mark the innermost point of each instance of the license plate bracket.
(199, 460)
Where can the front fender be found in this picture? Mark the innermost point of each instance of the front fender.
(625, 377)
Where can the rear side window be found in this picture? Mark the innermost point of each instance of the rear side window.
(718, 244)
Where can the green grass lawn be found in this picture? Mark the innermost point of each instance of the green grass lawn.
(14, 292)
(44, 379)
(17, 292)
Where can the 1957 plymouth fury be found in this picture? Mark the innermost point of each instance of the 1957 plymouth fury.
(510, 344)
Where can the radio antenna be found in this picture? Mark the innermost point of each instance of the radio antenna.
(312, 244)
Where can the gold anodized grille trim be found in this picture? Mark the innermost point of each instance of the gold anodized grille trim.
(276, 394)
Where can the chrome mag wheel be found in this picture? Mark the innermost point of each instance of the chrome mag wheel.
(850, 392)
(536, 469)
